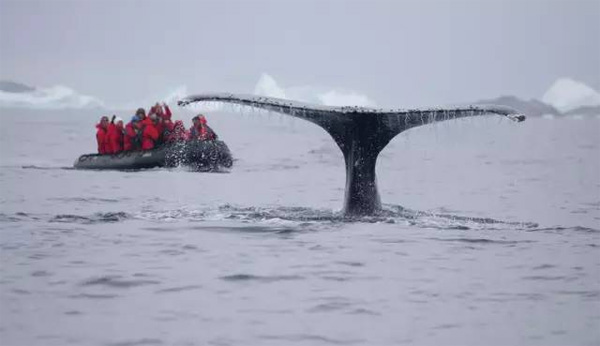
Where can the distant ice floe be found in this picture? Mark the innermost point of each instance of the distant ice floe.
(56, 97)
(267, 86)
(567, 94)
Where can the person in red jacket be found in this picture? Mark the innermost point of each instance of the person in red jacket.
(115, 136)
(141, 114)
(101, 137)
(178, 133)
(162, 111)
(130, 138)
(149, 132)
(165, 130)
(162, 123)
(200, 129)
(161, 127)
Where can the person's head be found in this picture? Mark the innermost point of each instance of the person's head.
(179, 126)
(119, 122)
(199, 120)
(154, 117)
(104, 122)
(141, 113)
(158, 108)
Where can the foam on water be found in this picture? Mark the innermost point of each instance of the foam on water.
(292, 217)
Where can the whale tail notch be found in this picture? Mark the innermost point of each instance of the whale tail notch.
(360, 133)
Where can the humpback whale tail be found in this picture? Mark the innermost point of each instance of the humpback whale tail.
(360, 133)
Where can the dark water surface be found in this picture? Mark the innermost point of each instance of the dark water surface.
(490, 236)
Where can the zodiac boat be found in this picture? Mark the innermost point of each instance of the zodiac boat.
(198, 155)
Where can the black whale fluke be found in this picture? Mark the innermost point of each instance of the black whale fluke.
(361, 133)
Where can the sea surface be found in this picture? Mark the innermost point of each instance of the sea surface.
(490, 236)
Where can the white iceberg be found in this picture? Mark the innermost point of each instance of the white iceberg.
(566, 94)
(267, 86)
(56, 97)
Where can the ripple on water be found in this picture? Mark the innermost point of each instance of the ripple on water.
(545, 277)
(311, 339)
(363, 311)
(484, 241)
(179, 289)
(115, 281)
(73, 313)
(260, 278)
(88, 199)
(40, 273)
(138, 342)
(93, 296)
(18, 217)
(274, 229)
(543, 266)
(567, 229)
(109, 217)
(586, 294)
(332, 304)
(351, 263)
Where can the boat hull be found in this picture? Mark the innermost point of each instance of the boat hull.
(198, 155)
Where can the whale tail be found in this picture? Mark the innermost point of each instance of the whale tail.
(360, 133)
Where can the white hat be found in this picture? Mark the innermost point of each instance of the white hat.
(117, 119)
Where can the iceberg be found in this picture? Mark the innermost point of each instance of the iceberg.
(267, 86)
(567, 94)
(56, 97)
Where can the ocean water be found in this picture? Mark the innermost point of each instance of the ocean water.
(490, 236)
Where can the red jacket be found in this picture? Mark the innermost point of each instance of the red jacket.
(149, 136)
(129, 138)
(115, 139)
(202, 132)
(178, 133)
(167, 114)
(102, 140)
(160, 128)
(162, 112)
(147, 121)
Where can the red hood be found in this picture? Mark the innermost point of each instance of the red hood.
(179, 126)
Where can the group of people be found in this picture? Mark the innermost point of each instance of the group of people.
(145, 132)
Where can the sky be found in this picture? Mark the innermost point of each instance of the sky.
(397, 53)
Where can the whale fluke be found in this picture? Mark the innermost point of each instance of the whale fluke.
(360, 133)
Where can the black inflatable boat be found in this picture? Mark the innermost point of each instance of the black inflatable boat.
(198, 155)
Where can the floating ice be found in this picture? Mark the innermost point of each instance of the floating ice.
(56, 97)
(566, 94)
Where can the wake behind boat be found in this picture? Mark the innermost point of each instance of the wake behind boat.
(196, 154)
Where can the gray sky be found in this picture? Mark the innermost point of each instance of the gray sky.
(399, 53)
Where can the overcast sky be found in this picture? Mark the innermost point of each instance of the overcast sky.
(399, 53)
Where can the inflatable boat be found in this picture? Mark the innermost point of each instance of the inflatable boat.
(198, 155)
